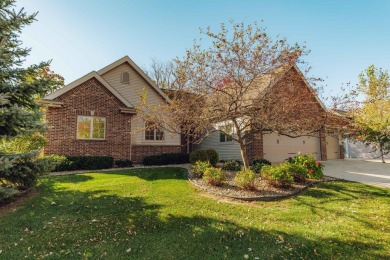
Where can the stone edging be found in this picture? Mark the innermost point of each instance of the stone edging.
(256, 198)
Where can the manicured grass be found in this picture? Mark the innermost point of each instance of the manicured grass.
(157, 214)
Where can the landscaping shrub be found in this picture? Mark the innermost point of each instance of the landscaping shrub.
(245, 179)
(124, 163)
(199, 168)
(232, 165)
(258, 164)
(298, 172)
(166, 158)
(19, 170)
(51, 163)
(314, 169)
(90, 162)
(7, 193)
(278, 175)
(214, 176)
(261, 161)
(209, 155)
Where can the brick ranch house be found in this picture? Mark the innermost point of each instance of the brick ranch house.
(95, 115)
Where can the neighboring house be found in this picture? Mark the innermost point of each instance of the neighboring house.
(95, 115)
(357, 149)
(326, 144)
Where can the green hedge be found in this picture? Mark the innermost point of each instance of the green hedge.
(123, 163)
(74, 163)
(166, 158)
(209, 155)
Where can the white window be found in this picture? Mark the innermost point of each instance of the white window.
(125, 78)
(153, 133)
(226, 133)
(91, 127)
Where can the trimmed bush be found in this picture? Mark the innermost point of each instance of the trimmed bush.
(209, 155)
(261, 161)
(74, 163)
(166, 158)
(278, 175)
(298, 172)
(232, 165)
(199, 168)
(55, 163)
(258, 164)
(124, 163)
(214, 176)
(314, 169)
(90, 162)
(245, 179)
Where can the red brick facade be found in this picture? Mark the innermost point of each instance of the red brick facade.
(254, 148)
(323, 150)
(87, 97)
(140, 151)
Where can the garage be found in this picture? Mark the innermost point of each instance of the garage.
(277, 148)
(332, 147)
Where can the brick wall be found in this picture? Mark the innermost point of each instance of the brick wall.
(323, 150)
(341, 153)
(87, 97)
(140, 151)
(254, 148)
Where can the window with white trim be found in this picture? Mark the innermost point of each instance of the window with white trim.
(91, 127)
(153, 133)
(226, 133)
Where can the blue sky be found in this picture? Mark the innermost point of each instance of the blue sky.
(344, 37)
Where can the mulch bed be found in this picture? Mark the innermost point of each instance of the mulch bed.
(263, 191)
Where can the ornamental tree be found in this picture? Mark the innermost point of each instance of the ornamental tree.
(242, 82)
(371, 110)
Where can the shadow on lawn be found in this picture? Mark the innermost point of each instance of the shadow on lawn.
(152, 174)
(99, 224)
(347, 193)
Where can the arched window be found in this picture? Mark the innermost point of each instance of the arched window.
(125, 78)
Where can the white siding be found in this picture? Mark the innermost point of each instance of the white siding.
(360, 150)
(132, 92)
(226, 150)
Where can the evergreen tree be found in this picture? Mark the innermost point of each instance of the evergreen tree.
(20, 87)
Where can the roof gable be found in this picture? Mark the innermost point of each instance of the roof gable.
(126, 59)
(83, 79)
(98, 76)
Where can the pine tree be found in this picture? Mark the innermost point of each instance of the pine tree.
(20, 87)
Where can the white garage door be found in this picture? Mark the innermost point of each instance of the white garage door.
(332, 147)
(277, 148)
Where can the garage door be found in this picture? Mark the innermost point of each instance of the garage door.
(277, 148)
(332, 147)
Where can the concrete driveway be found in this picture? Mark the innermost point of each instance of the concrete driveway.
(365, 171)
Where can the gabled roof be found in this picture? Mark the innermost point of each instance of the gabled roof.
(279, 73)
(137, 69)
(83, 79)
(98, 76)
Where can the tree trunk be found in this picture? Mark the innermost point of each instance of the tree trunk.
(240, 141)
(381, 151)
(244, 155)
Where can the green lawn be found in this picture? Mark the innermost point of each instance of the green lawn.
(157, 214)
